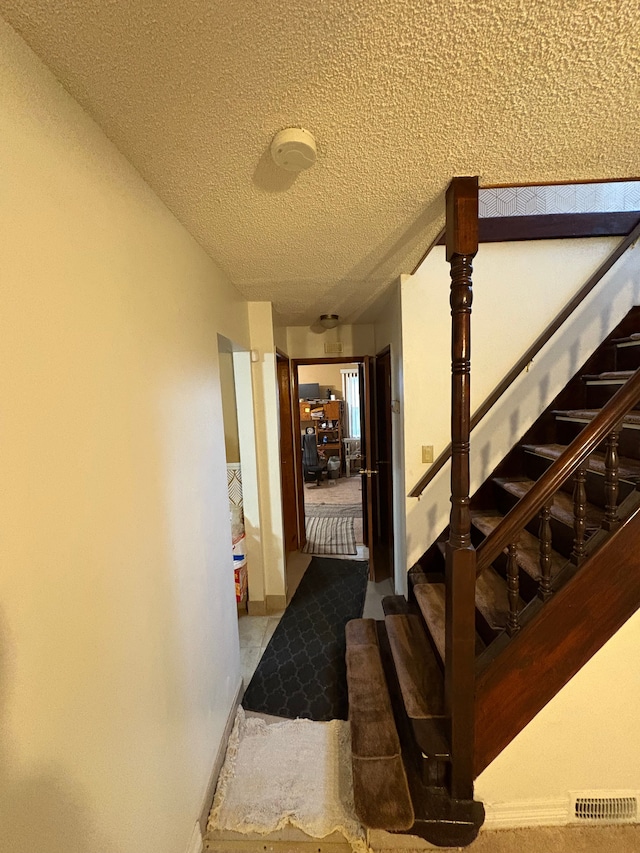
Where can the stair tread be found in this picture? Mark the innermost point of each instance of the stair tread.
(630, 419)
(609, 376)
(380, 787)
(528, 555)
(491, 598)
(419, 674)
(634, 338)
(562, 508)
(431, 601)
(628, 469)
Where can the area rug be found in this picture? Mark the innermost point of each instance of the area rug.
(302, 672)
(295, 773)
(330, 535)
(332, 510)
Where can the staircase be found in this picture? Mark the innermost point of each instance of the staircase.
(536, 572)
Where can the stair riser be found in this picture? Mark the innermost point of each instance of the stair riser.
(535, 466)
(562, 535)
(628, 445)
(627, 357)
(597, 396)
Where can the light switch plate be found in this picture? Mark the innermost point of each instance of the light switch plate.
(427, 452)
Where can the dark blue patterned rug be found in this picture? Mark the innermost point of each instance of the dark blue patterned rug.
(302, 672)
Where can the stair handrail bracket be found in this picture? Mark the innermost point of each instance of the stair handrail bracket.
(568, 463)
(460, 573)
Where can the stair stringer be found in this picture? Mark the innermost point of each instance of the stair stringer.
(550, 649)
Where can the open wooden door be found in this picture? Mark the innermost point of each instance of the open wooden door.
(287, 456)
(376, 524)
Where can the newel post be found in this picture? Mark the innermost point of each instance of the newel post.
(462, 245)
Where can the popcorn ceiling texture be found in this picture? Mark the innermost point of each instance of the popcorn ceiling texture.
(400, 95)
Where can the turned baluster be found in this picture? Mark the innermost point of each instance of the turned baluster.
(513, 590)
(579, 515)
(544, 535)
(611, 478)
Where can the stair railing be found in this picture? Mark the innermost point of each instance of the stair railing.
(604, 427)
(530, 354)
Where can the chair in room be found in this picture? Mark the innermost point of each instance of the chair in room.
(313, 465)
(351, 454)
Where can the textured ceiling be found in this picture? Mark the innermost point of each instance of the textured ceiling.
(400, 95)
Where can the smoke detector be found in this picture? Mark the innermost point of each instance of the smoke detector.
(294, 149)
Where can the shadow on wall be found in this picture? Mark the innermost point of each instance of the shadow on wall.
(39, 807)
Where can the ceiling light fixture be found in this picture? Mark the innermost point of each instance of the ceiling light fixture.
(294, 149)
(329, 321)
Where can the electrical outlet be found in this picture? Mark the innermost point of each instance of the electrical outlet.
(427, 452)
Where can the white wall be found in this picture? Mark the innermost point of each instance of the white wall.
(388, 332)
(518, 289)
(267, 426)
(118, 631)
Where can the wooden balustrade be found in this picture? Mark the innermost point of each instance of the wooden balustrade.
(611, 520)
(513, 589)
(544, 535)
(565, 465)
(579, 515)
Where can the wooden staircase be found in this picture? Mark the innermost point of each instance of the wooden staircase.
(536, 572)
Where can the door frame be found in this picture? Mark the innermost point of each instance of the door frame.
(367, 381)
(287, 454)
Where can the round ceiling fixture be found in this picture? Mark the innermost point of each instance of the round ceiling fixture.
(294, 149)
(329, 321)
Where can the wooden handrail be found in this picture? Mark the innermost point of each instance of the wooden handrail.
(565, 465)
(530, 354)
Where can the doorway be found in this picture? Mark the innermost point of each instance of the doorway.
(329, 395)
(344, 430)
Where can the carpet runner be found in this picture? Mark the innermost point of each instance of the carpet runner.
(302, 672)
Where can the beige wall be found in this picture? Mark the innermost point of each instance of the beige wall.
(118, 632)
(305, 342)
(229, 406)
(326, 375)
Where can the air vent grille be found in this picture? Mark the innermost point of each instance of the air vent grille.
(606, 809)
(335, 348)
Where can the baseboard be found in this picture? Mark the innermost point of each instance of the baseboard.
(271, 604)
(217, 764)
(527, 813)
(276, 603)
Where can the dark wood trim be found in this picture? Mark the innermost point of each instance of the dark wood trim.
(565, 465)
(560, 183)
(555, 226)
(571, 627)
(531, 352)
(460, 574)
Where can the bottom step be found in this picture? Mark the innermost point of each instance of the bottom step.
(380, 789)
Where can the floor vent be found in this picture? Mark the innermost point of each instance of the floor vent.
(618, 807)
(335, 348)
